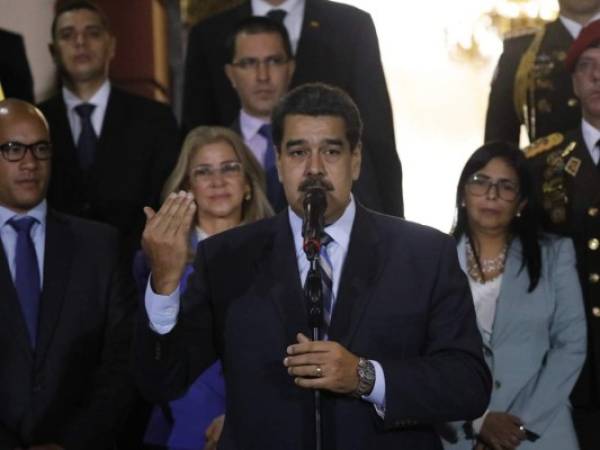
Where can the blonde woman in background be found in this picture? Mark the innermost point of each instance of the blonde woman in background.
(228, 185)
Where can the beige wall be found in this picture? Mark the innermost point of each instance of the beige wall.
(439, 104)
(32, 19)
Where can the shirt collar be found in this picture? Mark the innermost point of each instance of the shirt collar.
(261, 7)
(573, 27)
(38, 212)
(590, 134)
(339, 231)
(100, 98)
(249, 125)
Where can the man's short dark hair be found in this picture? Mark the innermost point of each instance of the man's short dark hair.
(258, 25)
(318, 99)
(73, 5)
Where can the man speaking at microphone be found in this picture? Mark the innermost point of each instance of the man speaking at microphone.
(400, 351)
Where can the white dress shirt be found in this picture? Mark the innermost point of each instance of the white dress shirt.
(573, 27)
(8, 235)
(591, 136)
(99, 99)
(292, 21)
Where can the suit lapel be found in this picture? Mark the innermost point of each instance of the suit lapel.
(57, 265)
(307, 55)
(62, 139)
(514, 282)
(281, 280)
(362, 267)
(114, 116)
(557, 36)
(10, 309)
(586, 181)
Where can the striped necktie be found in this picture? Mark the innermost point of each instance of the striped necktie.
(326, 278)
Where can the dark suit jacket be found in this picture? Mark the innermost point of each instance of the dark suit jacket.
(580, 194)
(75, 388)
(137, 149)
(402, 301)
(15, 75)
(556, 107)
(338, 45)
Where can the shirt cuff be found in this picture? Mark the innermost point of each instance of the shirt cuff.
(377, 395)
(477, 423)
(162, 310)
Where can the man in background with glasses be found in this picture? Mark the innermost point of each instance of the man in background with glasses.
(260, 68)
(65, 305)
(567, 171)
(332, 43)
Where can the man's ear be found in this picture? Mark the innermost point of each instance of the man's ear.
(356, 161)
(230, 75)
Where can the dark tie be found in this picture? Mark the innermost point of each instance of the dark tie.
(274, 189)
(86, 144)
(265, 131)
(326, 278)
(277, 15)
(597, 150)
(27, 274)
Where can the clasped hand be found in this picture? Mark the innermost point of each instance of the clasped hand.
(501, 431)
(322, 365)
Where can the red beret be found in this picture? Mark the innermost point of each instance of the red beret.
(588, 37)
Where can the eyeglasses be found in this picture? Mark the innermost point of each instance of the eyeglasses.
(480, 185)
(229, 169)
(15, 151)
(254, 63)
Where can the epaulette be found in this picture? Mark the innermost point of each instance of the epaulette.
(527, 31)
(543, 144)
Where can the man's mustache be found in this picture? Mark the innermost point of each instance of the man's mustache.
(315, 182)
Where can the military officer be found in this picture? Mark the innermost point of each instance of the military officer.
(567, 173)
(530, 86)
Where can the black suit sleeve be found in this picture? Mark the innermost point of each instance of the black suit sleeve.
(370, 92)
(166, 365)
(198, 106)
(15, 74)
(501, 122)
(165, 150)
(8, 440)
(451, 381)
(112, 383)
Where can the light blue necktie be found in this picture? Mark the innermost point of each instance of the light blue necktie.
(326, 278)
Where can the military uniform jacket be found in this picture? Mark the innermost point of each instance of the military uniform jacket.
(568, 189)
(531, 86)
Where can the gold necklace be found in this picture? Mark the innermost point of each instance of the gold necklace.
(488, 266)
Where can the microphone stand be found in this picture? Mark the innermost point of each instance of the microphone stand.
(313, 294)
(314, 208)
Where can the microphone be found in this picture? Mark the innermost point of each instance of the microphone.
(315, 204)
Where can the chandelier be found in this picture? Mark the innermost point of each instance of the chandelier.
(476, 34)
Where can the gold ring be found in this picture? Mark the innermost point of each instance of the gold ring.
(318, 372)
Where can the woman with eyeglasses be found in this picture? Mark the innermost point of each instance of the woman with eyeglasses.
(228, 185)
(528, 306)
